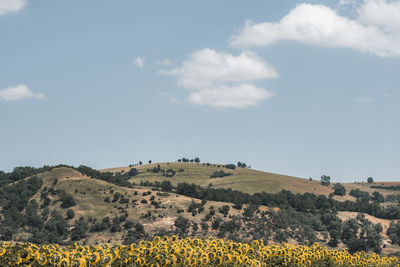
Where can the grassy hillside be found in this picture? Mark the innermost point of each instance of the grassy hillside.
(245, 180)
(99, 203)
(90, 194)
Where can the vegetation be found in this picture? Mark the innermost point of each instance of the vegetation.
(230, 166)
(325, 180)
(220, 174)
(339, 189)
(170, 251)
(62, 206)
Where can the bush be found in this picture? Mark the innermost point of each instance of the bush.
(230, 166)
(220, 174)
(133, 172)
(70, 214)
(339, 189)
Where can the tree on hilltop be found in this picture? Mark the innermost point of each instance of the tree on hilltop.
(325, 180)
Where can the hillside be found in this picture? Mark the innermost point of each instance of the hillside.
(242, 179)
(66, 204)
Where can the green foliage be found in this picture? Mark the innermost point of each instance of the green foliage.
(224, 210)
(220, 174)
(325, 180)
(182, 225)
(70, 214)
(339, 189)
(133, 172)
(370, 180)
(241, 164)
(378, 197)
(230, 166)
(393, 232)
(114, 178)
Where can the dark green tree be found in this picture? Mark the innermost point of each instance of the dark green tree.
(339, 189)
(325, 180)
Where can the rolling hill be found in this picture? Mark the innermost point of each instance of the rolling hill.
(242, 179)
(108, 210)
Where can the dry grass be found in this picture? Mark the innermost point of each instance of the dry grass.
(245, 180)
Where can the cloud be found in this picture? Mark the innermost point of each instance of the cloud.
(321, 26)
(171, 99)
(364, 99)
(382, 14)
(19, 92)
(240, 96)
(165, 62)
(347, 2)
(11, 6)
(222, 80)
(139, 61)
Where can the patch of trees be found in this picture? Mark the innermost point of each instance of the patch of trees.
(241, 164)
(220, 174)
(20, 173)
(133, 172)
(360, 195)
(167, 173)
(196, 160)
(16, 195)
(393, 232)
(114, 178)
(230, 166)
(386, 187)
(360, 234)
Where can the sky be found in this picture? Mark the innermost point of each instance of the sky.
(296, 88)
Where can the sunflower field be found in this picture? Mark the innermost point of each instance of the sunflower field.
(171, 251)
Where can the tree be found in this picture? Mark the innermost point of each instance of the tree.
(149, 161)
(197, 160)
(133, 172)
(70, 214)
(182, 224)
(394, 232)
(224, 210)
(67, 201)
(241, 164)
(230, 166)
(356, 244)
(140, 162)
(325, 180)
(370, 180)
(378, 197)
(339, 189)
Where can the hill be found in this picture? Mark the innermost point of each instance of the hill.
(242, 179)
(65, 204)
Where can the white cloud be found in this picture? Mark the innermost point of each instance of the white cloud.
(347, 2)
(19, 92)
(322, 26)
(171, 99)
(364, 99)
(385, 15)
(222, 80)
(165, 62)
(10, 6)
(139, 61)
(240, 96)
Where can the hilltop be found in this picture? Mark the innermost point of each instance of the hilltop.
(242, 179)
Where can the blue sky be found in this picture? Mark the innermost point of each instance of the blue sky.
(303, 89)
